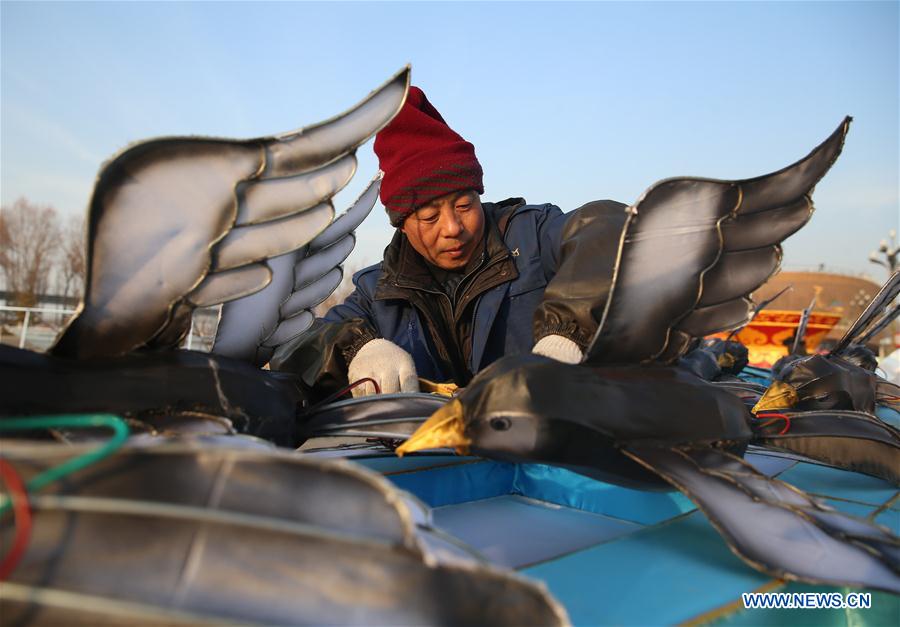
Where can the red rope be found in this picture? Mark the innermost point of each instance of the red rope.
(21, 516)
(775, 418)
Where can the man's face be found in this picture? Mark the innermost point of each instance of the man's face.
(448, 231)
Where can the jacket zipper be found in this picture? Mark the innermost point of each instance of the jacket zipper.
(454, 310)
(462, 301)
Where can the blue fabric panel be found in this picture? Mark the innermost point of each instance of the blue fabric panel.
(387, 464)
(451, 484)
(889, 415)
(457, 484)
(770, 465)
(848, 507)
(658, 576)
(756, 375)
(515, 531)
(890, 518)
(851, 486)
(564, 487)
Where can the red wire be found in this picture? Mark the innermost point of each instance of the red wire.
(21, 516)
(774, 418)
(340, 393)
(361, 381)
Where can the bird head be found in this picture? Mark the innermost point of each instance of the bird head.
(820, 382)
(532, 409)
(504, 410)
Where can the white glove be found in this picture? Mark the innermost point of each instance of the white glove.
(382, 360)
(559, 348)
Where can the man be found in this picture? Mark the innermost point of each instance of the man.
(462, 283)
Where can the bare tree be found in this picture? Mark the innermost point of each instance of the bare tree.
(5, 238)
(29, 238)
(71, 263)
(342, 291)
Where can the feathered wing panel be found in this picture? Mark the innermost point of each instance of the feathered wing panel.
(230, 284)
(284, 540)
(880, 324)
(802, 539)
(852, 440)
(873, 314)
(693, 249)
(800, 333)
(252, 328)
(174, 221)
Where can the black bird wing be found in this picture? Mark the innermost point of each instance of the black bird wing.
(184, 222)
(253, 327)
(380, 415)
(873, 316)
(880, 324)
(801, 328)
(852, 440)
(167, 391)
(691, 252)
(775, 527)
(224, 535)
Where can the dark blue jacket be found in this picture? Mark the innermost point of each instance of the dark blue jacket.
(502, 310)
(522, 258)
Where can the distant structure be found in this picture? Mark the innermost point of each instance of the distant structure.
(835, 294)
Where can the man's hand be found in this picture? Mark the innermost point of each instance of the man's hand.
(385, 362)
(559, 348)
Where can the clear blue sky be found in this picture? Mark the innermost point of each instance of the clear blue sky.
(565, 102)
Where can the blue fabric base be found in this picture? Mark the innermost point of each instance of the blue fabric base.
(516, 531)
(849, 486)
(465, 482)
(889, 415)
(659, 576)
(753, 374)
(663, 563)
(462, 483)
(564, 487)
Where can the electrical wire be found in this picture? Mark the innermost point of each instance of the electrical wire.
(773, 418)
(345, 390)
(79, 421)
(21, 517)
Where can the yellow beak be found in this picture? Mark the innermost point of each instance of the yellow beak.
(445, 429)
(442, 389)
(779, 396)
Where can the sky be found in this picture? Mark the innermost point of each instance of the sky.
(565, 102)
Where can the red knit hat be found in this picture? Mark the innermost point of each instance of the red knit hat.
(422, 159)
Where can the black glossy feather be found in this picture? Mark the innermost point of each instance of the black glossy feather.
(685, 236)
(800, 538)
(851, 440)
(171, 218)
(882, 300)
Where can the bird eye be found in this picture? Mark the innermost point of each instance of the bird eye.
(500, 424)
